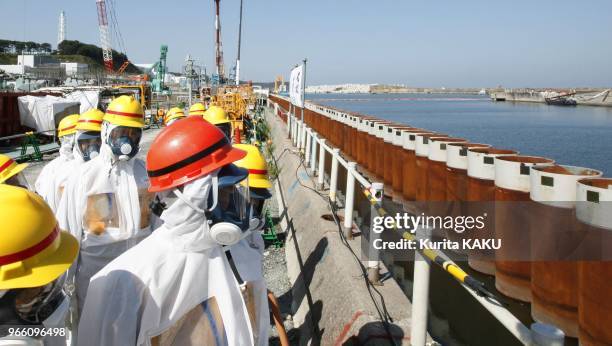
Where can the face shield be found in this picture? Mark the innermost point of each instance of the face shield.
(124, 142)
(32, 306)
(258, 197)
(19, 180)
(89, 144)
(226, 128)
(230, 213)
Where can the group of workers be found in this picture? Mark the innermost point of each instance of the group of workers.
(119, 251)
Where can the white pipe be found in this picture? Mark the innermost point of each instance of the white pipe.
(349, 200)
(420, 300)
(321, 180)
(333, 184)
(313, 155)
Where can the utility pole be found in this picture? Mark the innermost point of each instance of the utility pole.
(239, 42)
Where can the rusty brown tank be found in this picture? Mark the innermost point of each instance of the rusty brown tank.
(594, 213)
(480, 195)
(554, 278)
(512, 208)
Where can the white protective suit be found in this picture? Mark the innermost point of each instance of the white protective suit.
(106, 206)
(54, 174)
(175, 288)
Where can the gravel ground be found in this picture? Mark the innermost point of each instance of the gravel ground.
(275, 273)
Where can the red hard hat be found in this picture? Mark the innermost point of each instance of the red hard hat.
(187, 150)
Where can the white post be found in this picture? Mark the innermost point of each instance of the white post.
(333, 180)
(289, 124)
(350, 199)
(321, 180)
(307, 149)
(420, 298)
(373, 254)
(313, 155)
(304, 132)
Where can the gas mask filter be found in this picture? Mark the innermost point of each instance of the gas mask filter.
(124, 142)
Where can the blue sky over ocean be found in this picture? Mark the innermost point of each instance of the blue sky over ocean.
(419, 43)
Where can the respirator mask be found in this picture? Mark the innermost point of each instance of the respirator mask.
(124, 142)
(89, 144)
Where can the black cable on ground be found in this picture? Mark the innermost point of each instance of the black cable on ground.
(382, 311)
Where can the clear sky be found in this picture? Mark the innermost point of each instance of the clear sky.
(450, 43)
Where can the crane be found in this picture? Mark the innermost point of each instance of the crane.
(107, 52)
(157, 83)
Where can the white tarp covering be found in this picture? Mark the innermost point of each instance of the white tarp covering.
(87, 98)
(296, 86)
(41, 112)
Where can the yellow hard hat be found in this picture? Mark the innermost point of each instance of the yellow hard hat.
(173, 113)
(255, 163)
(91, 120)
(197, 109)
(216, 115)
(67, 126)
(125, 111)
(33, 251)
(8, 168)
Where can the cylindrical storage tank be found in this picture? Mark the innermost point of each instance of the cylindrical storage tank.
(456, 169)
(438, 149)
(554, 280)
(397, 158)
(409, 177)
(379, 144)
(371, 146)
(481, 189)
(422, 164)
(594, 213)
(362, 141)
(352, 137)
(388, 152)
(512, 185)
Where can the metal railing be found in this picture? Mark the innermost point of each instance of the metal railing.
(307, 140)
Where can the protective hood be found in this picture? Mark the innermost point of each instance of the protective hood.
(66, 145)
(50, 181)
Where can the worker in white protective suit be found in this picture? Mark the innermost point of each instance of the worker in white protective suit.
(105, 203)
(34, 255)
(177, 287)
(56, 171)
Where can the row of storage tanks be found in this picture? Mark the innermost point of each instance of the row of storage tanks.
(422, 165)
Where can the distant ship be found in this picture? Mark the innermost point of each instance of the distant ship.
(561, 100)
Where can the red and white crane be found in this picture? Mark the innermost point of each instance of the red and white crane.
(107, 52)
